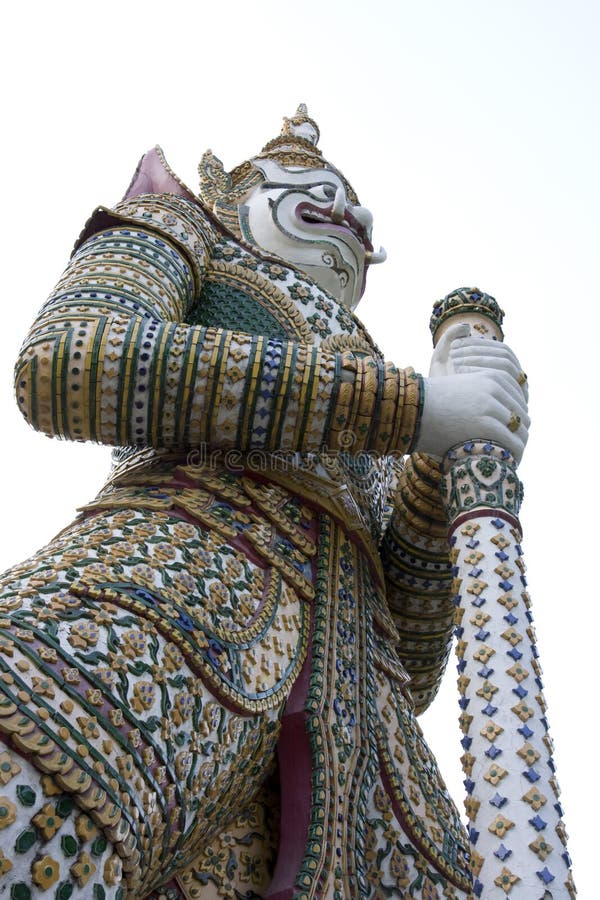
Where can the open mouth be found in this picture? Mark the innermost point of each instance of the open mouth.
(322, 217)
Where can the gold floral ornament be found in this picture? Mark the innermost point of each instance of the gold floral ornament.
(500, 826)
(491, 731)
(45, 872)
(48, 821)
(8, 812)
(8, 768)
(506, 880)
(541, 848)
(83, 869)
(535, 798)
(222, 192)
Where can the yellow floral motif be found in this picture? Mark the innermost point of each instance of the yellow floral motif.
(72, 554)
(95, 696)
(541, 848)
(173, 657)
(44, 687)
(8, 768)
(48, 821)
(500, 826)
(71, 674)
(382, 801)
(430, 891)
(535, 798)
(477, 586)
(45, 872)
(506, 880)
(399, 868)
(143, 574)
(374, 876)
(523, 711)
(164, 552)
(465, 722)
(135, 643)
(84, 634)
(518, 672)
(508, 601)
(491, 731)
(512, 636)
(144, 693)
(495, 774)
(483, 653)
(185, 531)
(473, 557)
(470, 529)
(487, 690)
(120, 551)
(144, 530)
(528, 753)
(8, 812)
(83, 869)
(88, 726)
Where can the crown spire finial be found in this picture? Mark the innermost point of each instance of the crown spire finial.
(301, 126)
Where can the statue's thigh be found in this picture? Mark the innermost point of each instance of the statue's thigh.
(104, 820)
(138, 714)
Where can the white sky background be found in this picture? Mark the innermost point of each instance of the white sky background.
(469, 127)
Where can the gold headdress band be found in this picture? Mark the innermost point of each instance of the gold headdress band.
(222, 191)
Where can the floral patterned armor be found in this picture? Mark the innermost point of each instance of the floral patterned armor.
(209, 681)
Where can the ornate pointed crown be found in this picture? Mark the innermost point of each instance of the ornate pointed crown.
(296, 145)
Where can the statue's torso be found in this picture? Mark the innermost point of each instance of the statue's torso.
(241, 289)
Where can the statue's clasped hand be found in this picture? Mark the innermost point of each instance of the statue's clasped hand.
(476, 389)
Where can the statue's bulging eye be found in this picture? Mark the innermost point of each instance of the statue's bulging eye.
(329, 191)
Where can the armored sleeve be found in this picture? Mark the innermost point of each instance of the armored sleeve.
(417, 563)
(111, 359)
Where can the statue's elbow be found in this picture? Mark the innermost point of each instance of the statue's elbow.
(39, 394)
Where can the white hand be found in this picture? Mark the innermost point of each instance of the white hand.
(460, 351)
(473, 393)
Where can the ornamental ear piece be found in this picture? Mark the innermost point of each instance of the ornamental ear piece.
(214, 180)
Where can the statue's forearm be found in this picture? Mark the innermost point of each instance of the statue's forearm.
(110, 360)
(416, 560)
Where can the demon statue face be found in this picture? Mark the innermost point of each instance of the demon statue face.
(292, 203)
(304, 216)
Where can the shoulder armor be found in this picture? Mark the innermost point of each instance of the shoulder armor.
(180, 220)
